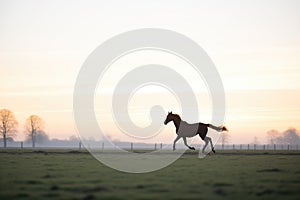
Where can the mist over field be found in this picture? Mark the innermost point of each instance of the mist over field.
(149, 99)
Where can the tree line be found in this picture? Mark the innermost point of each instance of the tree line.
(34, 128)
(289, 136)
(34, 125)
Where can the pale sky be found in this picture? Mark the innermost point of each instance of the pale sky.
(255, 46)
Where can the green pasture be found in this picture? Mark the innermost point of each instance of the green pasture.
(72, 174)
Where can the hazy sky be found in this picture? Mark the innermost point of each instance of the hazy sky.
(255, 46)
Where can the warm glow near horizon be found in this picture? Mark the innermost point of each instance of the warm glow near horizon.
(255, 47)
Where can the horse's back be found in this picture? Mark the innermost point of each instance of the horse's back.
(187, 130)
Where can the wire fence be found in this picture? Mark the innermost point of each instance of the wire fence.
(258, 147)
(154, 146)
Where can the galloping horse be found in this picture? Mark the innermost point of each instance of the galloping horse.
(184, 129)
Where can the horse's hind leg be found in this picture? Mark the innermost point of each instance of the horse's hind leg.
(206, 143)
(185, 143)
(210, 141)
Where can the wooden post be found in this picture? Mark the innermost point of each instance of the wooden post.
(264, 147)
(248, 146)
(79, 145)
(288, 146)
(274, 146)
(222, 146)
(233, 146)
(241, 147)
(102, 146)
(131, 146)
(21, 145)
(160, 145)
(155, 146)
(254, 146)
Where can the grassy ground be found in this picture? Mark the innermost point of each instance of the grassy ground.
(65, 174)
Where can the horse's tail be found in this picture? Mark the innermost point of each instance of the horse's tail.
(218, 128)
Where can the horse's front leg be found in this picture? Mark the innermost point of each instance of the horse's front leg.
(178, 137)
(185, 143)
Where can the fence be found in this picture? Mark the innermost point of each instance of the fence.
(157, 146)
(258, 147)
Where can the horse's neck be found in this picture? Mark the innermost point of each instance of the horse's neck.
(176, 122)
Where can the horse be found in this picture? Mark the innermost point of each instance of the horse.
(184, 130)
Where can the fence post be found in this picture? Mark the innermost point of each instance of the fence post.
(79, 145)
(264, 147)
(222, 146)
(241, 147)
(155, 146)
(288, 146)
(160, 145)
(131, 146)
(248, 146)
(102, 146)
(21, 145)
(233, 146)
(254, 146)
(274, 146)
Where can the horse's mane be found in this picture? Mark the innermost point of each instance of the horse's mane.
(176, 115)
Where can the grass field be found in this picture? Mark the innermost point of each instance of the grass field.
(66, 174)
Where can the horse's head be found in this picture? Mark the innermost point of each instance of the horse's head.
(169, 118)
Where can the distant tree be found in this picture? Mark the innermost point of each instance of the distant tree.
(8, 125)
(73, 138)
(224, 138)
(8, 139)
(34, 125)
(290, 136)
(272, 136)
(255, 140)
(40, 138)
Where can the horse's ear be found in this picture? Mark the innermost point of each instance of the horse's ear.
(171, 112)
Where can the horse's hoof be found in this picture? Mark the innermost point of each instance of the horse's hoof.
(192, 148)
(213, 151)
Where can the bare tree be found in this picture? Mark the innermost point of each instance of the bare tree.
(34, 125)
(8, 125)
(255, 140)
(224, 138)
